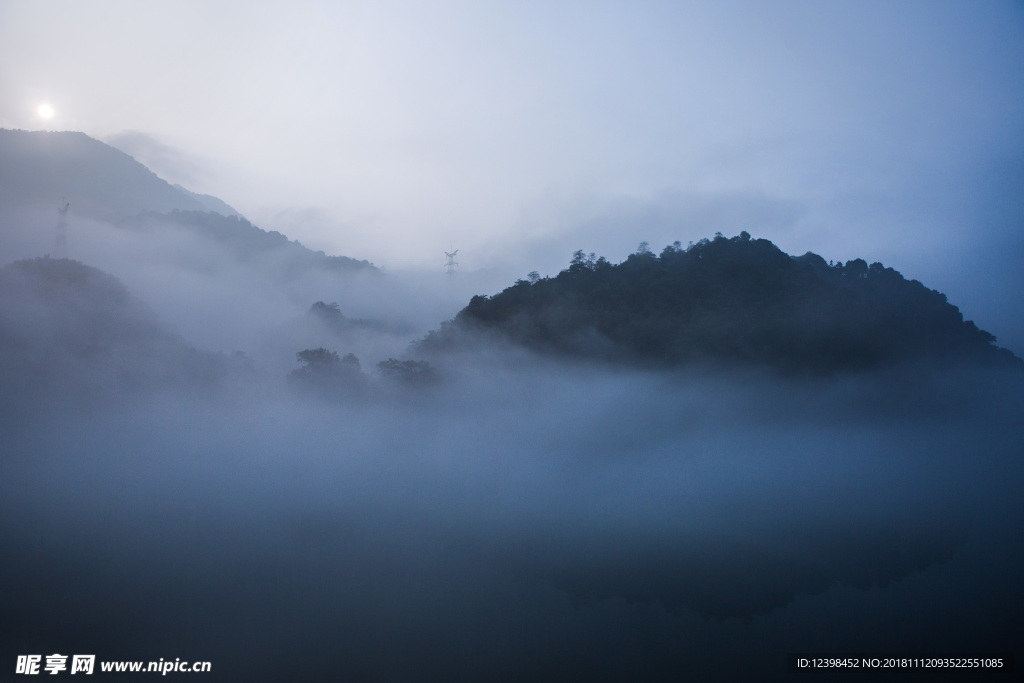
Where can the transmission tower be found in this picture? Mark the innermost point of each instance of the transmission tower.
(60, 242)
(450, 263)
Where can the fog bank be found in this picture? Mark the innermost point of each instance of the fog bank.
(520, 520)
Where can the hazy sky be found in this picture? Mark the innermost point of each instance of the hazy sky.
(519, 132)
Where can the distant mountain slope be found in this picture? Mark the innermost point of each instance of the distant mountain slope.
(246, 242)
(42, 168)
(726, 301)
(210, 203)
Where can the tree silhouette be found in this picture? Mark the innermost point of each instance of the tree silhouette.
(327, 373)
(413, 372)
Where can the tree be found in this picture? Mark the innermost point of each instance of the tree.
(857, 268)
(329, 312)
(327, 373)
(319, 358)
(581, 262)
(415, 372)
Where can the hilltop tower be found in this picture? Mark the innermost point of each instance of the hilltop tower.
(60, 242)
(450, 263)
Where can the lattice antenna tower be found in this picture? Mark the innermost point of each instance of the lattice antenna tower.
(450, 263)
(60, 242)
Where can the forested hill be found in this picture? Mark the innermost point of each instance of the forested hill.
(72, 333)
(737, 301)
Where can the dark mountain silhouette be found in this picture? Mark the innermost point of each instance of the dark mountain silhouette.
(70, 332)
(730, 302)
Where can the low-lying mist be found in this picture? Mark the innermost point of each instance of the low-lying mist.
(519, 519)
(240, 294)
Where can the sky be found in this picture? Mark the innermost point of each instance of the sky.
(518, 132)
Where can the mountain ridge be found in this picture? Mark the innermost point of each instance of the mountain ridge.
(38, 169)
(737, 301)
(100, 181)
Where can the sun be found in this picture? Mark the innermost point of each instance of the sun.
(45, 111)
